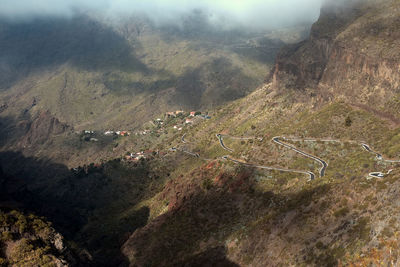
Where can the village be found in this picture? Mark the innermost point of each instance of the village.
(170, 121)
(176, 120)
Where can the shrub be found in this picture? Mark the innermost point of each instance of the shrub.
(361, 230)
(6, 236)
(387, 232)
(207, 184)
(3, 262)
(341, 212)
(319, 245)
(348, 121)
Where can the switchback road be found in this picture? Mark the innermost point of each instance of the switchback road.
(312, 175)
(322, 162)
(278, 141)
(220, 138)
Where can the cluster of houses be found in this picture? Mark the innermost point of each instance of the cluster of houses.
(88, 136)
(188, 120)
(174, 113)
(144, 132)
(176, 127)
(181, 112)
(140, 155)
(119, 133)
(108, 133)
(199, 115)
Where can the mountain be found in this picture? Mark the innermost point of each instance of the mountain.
(302, 171)
(352, 54)
(91, 71)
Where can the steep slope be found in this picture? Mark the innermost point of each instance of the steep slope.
(352, 54)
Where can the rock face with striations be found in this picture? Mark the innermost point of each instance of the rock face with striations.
(352, 52)
(42, 127)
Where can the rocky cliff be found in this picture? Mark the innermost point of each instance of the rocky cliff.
(352, 53)
(30, 131)
(42, 127)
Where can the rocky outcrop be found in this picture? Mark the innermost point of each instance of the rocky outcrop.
(41, 129)
(352, 52)
(303, 64)
(31, 241)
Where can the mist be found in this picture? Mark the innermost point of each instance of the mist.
(264, 14)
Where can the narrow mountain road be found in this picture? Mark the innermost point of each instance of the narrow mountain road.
(365, 146)
(196, 155)
(379, 174)
(237, 137)
(220, 138)
(378, 156)
(322, 162)
(221, 142)
(278, 141)
(311, 174)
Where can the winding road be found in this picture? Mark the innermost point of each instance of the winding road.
(312, 175)
(183, 139)
(221, 141)
(378, 156)
(278, 140)
(322, 162)
(379, 174)
(366, 147)
(196, 155)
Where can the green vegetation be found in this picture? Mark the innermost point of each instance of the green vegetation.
(341, 212)
(29, 239)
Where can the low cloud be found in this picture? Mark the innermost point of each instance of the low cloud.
(227, 13)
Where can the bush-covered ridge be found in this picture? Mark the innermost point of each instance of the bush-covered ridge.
(28, 240)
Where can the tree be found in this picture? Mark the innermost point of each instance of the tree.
(348, 121)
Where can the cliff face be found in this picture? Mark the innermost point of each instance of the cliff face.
(26, 131)
(42, 128)
(352, 52)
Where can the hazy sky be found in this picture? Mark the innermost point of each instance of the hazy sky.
(265, 13)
